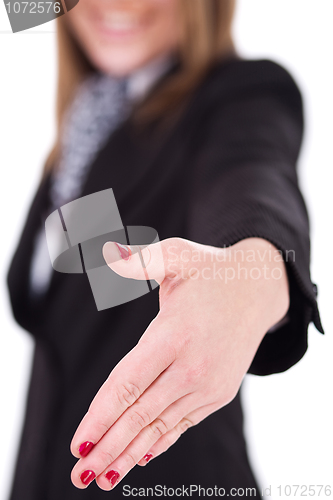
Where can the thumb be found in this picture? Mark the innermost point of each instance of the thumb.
(152, 262)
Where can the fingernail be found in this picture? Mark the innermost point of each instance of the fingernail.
(87, 476)
(125, 252)
(112, 476)
(148, 457)
(85, 448)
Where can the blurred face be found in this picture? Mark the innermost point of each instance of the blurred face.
(120, 36)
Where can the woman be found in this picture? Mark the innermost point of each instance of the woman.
(201, 145)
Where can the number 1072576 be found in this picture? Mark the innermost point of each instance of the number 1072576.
(33, 7)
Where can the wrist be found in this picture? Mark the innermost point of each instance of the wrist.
(261, 270)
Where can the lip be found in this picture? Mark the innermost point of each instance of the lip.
(120, 29)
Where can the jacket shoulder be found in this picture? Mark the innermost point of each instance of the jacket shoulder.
(251, 72)
(241, 78)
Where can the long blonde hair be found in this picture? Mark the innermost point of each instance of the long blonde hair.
(206, 28)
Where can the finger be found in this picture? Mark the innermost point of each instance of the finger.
(126, 383)
(144, 440)
(155, 262)
(170, 438)
(136, 262)
(143, 414)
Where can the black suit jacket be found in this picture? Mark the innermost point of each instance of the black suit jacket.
(226, 171)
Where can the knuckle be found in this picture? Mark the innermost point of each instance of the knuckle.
(159, 427)
(170, 250)
(139, 420)
(169, 439)
(189, 377)
(101, 426)
(127, 394)
(130, 460)
(177, 244)
(184, 424)
(106, 457)
(195, 374)
(182, 343)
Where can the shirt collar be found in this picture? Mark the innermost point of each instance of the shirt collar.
(141, 81)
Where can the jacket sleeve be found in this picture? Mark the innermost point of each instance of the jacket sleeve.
(243, 184)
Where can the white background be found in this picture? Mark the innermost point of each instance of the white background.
(288, 416)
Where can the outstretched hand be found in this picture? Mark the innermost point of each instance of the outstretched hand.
(215, 308)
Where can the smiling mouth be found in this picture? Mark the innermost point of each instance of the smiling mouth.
(121, 24)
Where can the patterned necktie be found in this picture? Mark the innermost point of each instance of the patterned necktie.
(99, 107)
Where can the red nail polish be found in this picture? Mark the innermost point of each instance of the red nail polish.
(85, 448)
(125, 252)
(112, 476)
(148, 457)
(87, 476)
